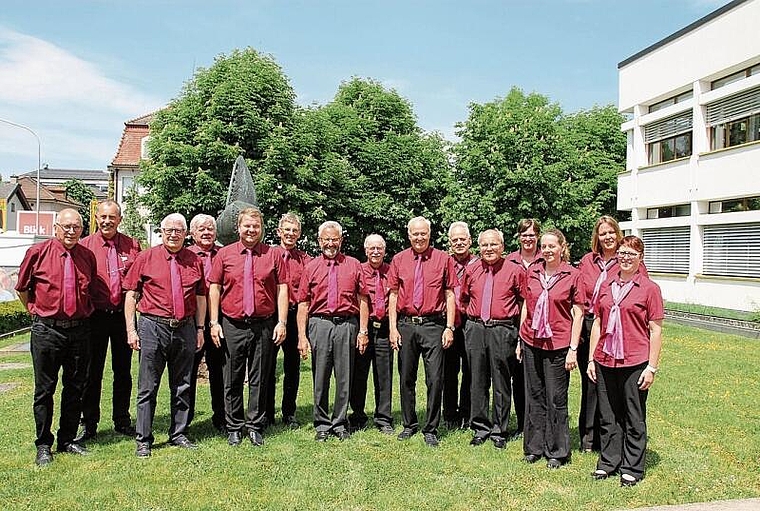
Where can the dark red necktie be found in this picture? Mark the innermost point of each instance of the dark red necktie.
(69, 285)
(114, 282)
(485, 307)
(379, 296)
(178, 296)
(248, 306)
(332, 287)
(206, 264)
(418, 284)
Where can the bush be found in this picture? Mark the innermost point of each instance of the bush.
(13, 316)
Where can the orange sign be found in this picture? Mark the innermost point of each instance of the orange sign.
(27, 222)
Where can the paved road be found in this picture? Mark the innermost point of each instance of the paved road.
(720, 505)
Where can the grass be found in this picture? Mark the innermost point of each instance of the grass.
(714, 311)
(704, 426)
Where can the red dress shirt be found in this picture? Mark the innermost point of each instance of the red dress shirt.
(370, 280)
(41, 275)
(640, 306)
(206, 257)
(506, 298)
(590, 271)
(313, 286)
(269, 271)
(438, 276)
(516, 259)
(126, 250)
(296, 261)
(150, 275)
(568, 291)
(459, 268)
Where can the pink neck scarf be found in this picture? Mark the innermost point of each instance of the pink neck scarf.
(613, 344)
(541, 314)
(604, 266)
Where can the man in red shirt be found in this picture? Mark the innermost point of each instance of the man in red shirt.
(249, 284)
(289, 231)
(491, 298)
(456, 396)
(115, 252)
(378, 353)
(169, 280)
(203, 232)
(55, 283)
(331, 295)
(421, 309)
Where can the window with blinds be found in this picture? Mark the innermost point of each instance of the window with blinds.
(668, 127)
(731, 250)
(666, 249)
(736, 106)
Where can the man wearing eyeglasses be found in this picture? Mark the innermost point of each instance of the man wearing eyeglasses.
(378, 354)
(55, 283)
(249, 287)
(115, 252)
(331, 295)
(169, 281)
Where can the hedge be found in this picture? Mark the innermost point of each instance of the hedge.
(13, 316)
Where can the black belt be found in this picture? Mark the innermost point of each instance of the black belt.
(170, 322)
(335, 319)
(421, 320)
(378, 323)
(250, 320)
(110, 311)
(495, 322)
(60, 323)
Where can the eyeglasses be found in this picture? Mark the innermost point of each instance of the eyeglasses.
(72, 228)
(624, 254)
(330, 240)
(528, 236)
(172, 230)
(489, 245)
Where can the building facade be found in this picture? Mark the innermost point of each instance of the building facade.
(691, 180)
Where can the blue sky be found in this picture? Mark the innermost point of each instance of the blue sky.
(74, 71)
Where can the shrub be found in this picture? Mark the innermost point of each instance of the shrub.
(13, 316)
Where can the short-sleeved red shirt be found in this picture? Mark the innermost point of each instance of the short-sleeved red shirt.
(370, 284)
(590, 269)
(516, 259)
(505, 300)
(150, 275)
(206, 257)
(295, 263)
(640, 306)
(269, 271)
(565, 293)
(41, 275)
(459, 268)
(438, 275)
(126, 251)
(313, 287)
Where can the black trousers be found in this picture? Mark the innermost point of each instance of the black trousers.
(546, 422)
(421, 340)
(588, 414)
(291, 372)
(488, 349)
(174, 349)
(332, 351)
(518, 389)
(215, 366)
(247, 345)
(623, 422)
(54, 348)
(108, 326)
(379, 356)
(456, 393)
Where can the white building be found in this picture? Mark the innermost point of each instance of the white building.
(692, 178)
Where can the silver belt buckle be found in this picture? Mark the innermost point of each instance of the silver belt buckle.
(376, 324)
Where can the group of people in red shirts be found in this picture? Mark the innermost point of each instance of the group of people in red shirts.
(512, 326)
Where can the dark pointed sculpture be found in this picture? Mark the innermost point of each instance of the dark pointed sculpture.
(240, 195)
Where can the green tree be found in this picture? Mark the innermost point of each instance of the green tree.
(79, 192)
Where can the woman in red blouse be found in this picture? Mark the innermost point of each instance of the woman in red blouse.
(625, 349)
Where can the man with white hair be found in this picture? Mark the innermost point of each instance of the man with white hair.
(169, 280)
(331, 295)
(421, 321)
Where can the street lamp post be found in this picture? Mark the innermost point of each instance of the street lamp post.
(39, 166)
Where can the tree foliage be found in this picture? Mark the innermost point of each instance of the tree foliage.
(521, 156)
(82, 194)
(133, 221)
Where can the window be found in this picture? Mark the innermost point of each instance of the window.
(732, 205)
(667, 249)
(144, 153)
(669, 211)
(735, 77)
(671, 101)
(734, 120)
(738, 132)
(731, 250)
(669, 139)
(13, 207)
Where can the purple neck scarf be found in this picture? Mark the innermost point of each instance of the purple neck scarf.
(613, 344)
(541, 314)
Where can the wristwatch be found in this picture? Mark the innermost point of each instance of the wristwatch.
(449, 327)
(213, 323)
(573, 348)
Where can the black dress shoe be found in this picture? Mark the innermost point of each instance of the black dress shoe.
(599, 475)
(499, 442)
(478, 440)
(291, 422)
(44, 456)
(183, 443)
(321, 436)
(256, 438)
(343, 434)
(431, 440)
(126, 430)
(234, 438)
(553, 463)
(74, 448)
(628, 480)
(86, 433)
(386, 429)
(407, 433)
(452, 425)
(143, 450)
(532, 458)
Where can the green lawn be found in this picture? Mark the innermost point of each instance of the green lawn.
(704, 425)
